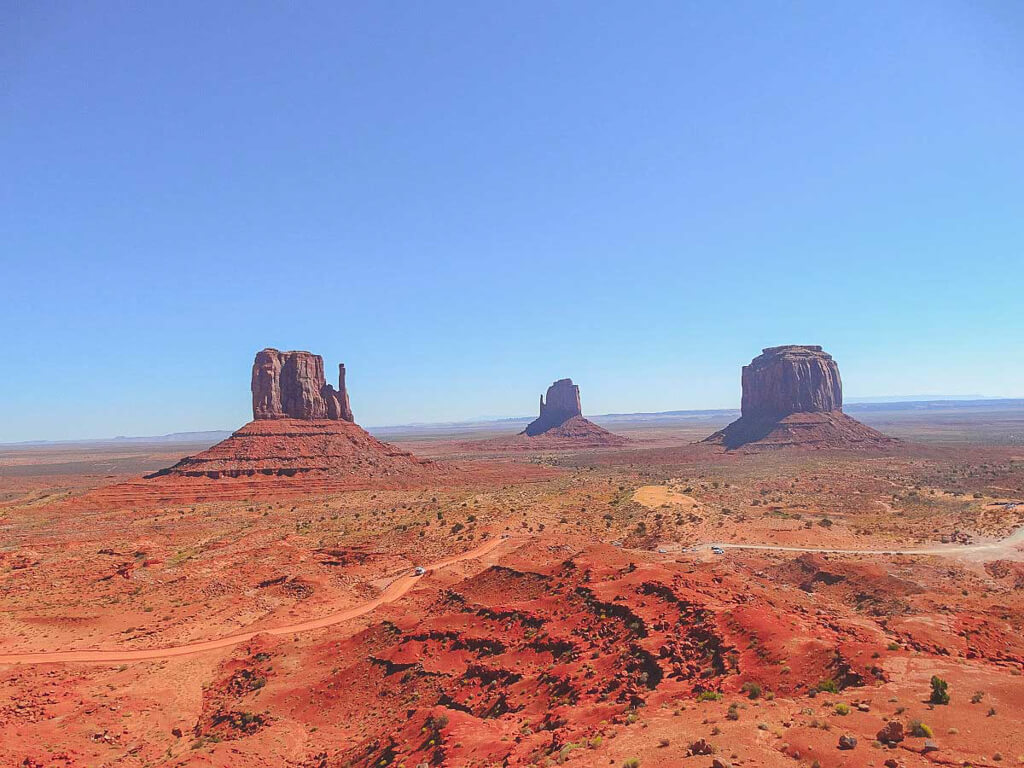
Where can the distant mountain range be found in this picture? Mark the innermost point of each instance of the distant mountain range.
(210, 436)
(916, 398)
(853, 405)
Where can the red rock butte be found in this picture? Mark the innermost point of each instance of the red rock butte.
(561, 420)
(793, 396)
(301, 426)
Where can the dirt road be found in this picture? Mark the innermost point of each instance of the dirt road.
(396, 589)
(999, 548)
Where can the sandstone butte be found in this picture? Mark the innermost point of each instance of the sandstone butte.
(561, 422)
(302, 439)
(793, 396)
(301, 426)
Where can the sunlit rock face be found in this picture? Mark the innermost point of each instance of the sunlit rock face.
(291, 385)
(791, 379)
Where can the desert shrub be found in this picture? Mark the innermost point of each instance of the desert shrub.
(633, 762)
(709, 696)
(977, 697)
(842, 709)
(940, 694)
(752, 689)
(828, 685)
(919, 729)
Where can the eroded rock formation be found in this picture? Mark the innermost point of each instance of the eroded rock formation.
(302, 426)
(559, 425)
(563, 403)
(291, 385)
(791, 379)
(793, 395)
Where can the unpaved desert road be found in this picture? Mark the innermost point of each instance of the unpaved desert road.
(1001, 546)
(393, 592)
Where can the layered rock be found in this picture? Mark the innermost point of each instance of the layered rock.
(291, 385)
(301, 426)
(301, 447)
(793, 395)
(791, 379)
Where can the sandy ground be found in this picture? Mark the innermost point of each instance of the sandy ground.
(578, 617)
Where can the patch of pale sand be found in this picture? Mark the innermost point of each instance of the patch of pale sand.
(654, 496)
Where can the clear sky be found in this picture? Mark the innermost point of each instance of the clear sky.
(466, 201)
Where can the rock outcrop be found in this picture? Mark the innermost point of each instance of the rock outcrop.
(302, 426)
(563, 403)
(291, 385)
(791, 379)
(560, 425)
(793, 395)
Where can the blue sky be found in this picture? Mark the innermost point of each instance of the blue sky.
(466, 201)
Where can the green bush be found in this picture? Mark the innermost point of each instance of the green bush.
(842, 709)
(752, 689)
(709, 696)
(828, 686)
(919, 729)
(939, 693)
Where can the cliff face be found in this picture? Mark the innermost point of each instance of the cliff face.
(563, 403)
(291, 385)
(793, 396)
(302, 427)
(791, 379)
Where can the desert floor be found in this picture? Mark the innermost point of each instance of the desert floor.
(572, 609)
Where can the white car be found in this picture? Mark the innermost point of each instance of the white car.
(717, 551)
(419, 570)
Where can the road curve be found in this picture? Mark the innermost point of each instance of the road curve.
(393, 592)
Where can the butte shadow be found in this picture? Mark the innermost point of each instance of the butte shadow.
(793, 396)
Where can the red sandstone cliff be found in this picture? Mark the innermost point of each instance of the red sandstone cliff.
(793, 396)
(291, 385)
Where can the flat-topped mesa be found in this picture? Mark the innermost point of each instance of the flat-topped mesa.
(793, 396)
(291, 385)
(791, 379)
(563, 403)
